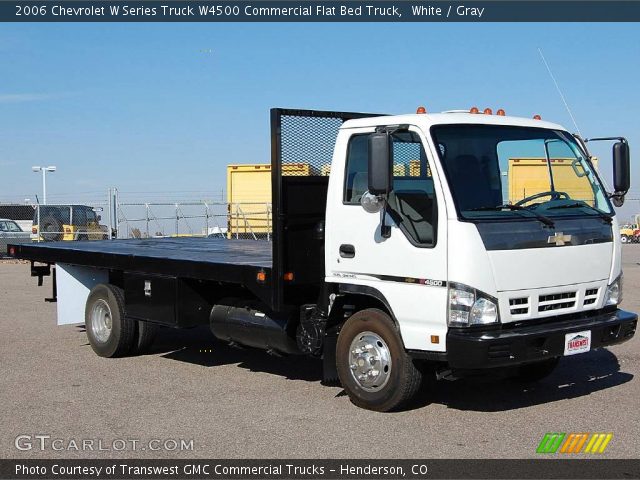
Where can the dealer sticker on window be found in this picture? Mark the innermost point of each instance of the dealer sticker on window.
(578, 342)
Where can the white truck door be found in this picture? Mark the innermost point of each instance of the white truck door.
(409, 268)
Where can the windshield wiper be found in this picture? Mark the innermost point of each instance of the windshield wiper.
(602, 215)
(507, 206)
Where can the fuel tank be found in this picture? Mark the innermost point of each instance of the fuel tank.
(245, 324)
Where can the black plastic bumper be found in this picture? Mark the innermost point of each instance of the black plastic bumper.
(507, 346)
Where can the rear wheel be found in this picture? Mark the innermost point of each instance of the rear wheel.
(145, 335)
(373, 367)
(624, 238)
(534, 372)
(110, 332)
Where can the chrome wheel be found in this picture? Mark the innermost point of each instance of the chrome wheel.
(370, 361)
(101, 321)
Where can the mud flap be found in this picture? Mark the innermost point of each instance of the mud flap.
(329, 370)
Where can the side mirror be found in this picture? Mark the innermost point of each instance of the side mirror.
(380, 178)
(621, 167)
(371, 203)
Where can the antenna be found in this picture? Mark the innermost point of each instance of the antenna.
(559, 92)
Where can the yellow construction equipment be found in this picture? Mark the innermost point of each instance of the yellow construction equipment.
(249, 197)
(528, 176)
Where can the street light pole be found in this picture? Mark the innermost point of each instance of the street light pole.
(44, 185)
(44, 171)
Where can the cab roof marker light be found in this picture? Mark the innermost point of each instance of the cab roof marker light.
(488, 111)
(501, 112)
(537, 117)
(474, 110)
(421, 110)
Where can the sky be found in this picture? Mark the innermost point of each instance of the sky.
(158, 110)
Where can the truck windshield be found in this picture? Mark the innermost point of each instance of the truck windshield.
(502, 171)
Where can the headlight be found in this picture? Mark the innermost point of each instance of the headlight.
(468, 306)
(613, 295)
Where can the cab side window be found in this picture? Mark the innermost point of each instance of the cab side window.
(356, 177)
(80, 217)
(412, 203)
(413, 199)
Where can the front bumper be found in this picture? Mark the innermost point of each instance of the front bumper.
(515, 345)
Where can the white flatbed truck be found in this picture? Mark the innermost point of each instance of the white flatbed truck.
(406, 258)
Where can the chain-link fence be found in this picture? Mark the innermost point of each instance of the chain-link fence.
(194, 219)
(25, 223)
(15, 225)
(113, 218)
(52, 223)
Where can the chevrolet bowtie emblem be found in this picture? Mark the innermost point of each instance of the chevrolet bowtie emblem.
(559, 239)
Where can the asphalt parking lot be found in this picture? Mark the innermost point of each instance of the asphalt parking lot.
(243, 403)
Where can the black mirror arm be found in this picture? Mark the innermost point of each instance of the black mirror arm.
(385, 230)
(583, 146)
(601, 139)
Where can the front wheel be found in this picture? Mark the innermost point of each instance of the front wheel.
(624, 238)
(373, 367)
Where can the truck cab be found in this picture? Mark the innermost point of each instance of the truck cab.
(467, 276)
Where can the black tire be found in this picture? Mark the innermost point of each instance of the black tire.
(119, 339)
(145, 335)
(624, 238)
(403, 378)
(534, 372)
(51, 229)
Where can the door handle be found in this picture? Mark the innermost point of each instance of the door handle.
(347, 251)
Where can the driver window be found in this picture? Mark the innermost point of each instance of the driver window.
(412, 202)
(80, 217)
(357, 177)
(413, 199)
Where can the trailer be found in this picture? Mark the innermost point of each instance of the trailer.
(392, 255)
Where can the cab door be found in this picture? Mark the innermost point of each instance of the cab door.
(408, 268)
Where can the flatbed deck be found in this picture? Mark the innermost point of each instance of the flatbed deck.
(199, 258)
